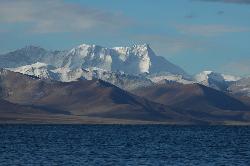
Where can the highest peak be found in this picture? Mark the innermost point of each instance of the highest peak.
(145, 45)
(85, 45)
(38, 64)
(142, 47)
(82, 46)
(207, 72)
(135, 46)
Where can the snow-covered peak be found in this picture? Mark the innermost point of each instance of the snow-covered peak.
(203, 77)
(37, 65)
(138, 47)
(120, 79)
(215, 80)
(85, 45)
(144, 45)
(136, 59)
(135, 50)
(161, 78)
(206, 77)
(230, 78)
(37, 69)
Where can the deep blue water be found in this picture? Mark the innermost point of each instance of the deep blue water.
(123, 145)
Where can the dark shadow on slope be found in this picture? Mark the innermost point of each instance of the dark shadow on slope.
(49, 109)
(222, 100)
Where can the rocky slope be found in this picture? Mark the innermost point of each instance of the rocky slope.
(91, 83)
(125, 67)
(226, 83)
(199, 101)
(83, 99)
(240, 87)
(96, 101)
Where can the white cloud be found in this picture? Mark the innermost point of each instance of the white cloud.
(57, 16)
(209, 30)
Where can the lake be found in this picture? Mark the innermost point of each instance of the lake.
(124, 145)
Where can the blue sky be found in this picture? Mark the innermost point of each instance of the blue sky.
(194, 34)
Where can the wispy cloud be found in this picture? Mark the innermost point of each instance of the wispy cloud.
(228, 1)
(209, 30)
(57, 16)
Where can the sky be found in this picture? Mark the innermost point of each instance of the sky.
(197, 35)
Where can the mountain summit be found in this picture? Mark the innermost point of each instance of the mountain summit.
(90, 83)
(125, 67)
(137, 59)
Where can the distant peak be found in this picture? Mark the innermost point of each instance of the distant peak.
(88, 46)
(39, 64)
(145, 45)
(134, 46)
(29, 47)
(207, 72)
(85, 45)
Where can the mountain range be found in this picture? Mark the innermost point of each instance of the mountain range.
(94, 84)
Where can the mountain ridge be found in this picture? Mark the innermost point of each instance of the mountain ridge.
(125, 67)
(94, 98)
(91, 83)
(87, 99)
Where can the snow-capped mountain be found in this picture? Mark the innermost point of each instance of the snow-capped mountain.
(227, 83)
(215, 80)
(30, 55)
(230, 78)
(134, 60)
(241, 87)
(120, 79)
(125, 67)
(164, 77)
(38, 69)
